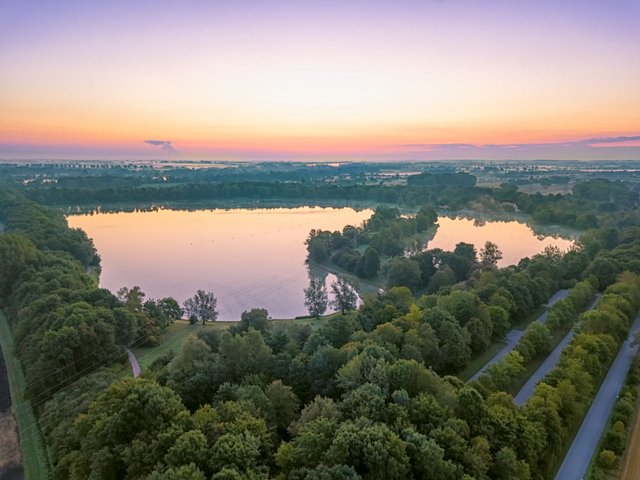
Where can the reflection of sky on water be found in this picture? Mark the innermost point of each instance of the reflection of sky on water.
(248, 258)
(515, 240)
(253, 258)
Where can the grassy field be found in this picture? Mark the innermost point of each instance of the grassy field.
(34, 457)
(180, 330)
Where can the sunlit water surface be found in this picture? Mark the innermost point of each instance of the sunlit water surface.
(252, 257)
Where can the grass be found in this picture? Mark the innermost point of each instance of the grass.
(523, 323)
(481, 360)
(180, 330)
(172, 340)
(34, 456)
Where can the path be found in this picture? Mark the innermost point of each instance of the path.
(550, 362)
(513, 336)
(135, 366)
(584, 445)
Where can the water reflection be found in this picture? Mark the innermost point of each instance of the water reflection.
(249, 258)
(516, 240)
(253, 257)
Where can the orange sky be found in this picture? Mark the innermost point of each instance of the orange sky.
(320, 81)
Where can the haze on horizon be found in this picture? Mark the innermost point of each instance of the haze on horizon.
(310, 80)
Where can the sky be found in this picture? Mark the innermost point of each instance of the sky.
(320, 80)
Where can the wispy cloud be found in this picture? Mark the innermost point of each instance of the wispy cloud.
(630, 141)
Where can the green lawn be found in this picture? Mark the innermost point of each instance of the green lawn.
(172, 340)
(34, 456)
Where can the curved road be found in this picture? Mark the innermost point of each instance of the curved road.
(513, 336)
(584, 445)
(551, 361)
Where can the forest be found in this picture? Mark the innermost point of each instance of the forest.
(371, 394)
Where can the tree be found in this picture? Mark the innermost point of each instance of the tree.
(369, 263)
(254, 318)
(489, 255)
(426, 217)
(170, 308)
(345, 296)
(373, 450)
(315, 297)
(201, 307)
(403, 272)
(131, 298)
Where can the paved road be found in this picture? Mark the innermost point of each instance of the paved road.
(584, 445)
(513, 336)
(551, 361)
(135, 366)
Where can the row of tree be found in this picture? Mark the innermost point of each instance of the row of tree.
(507, 373)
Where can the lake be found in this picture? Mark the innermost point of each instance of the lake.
(253, 257)
(515, 239)
(247, 257)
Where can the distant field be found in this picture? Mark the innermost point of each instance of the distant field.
(553, 189)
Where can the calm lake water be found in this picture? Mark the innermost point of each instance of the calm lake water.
(252, 257)
(248, 258)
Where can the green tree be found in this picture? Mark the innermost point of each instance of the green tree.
(170, 308)
(403, 272)
(426, 217)
(345, 296)
(373, 450)
(490, 254)
(201, 307)
(315, 297)
(183, 472)
(369, 263)
(285, 404)
(507, 466)
(256, 318)
(15, 253)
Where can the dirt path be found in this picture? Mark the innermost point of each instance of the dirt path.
(631, 460)
(135, 366)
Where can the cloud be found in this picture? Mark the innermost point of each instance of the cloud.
(165, 145)
(612, 139)
(589, 143)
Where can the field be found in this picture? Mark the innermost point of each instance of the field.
(34, 457)
(631, 461)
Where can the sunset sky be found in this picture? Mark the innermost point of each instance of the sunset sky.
(326, 80)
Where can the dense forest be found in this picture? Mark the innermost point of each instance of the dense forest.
(371, 394)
